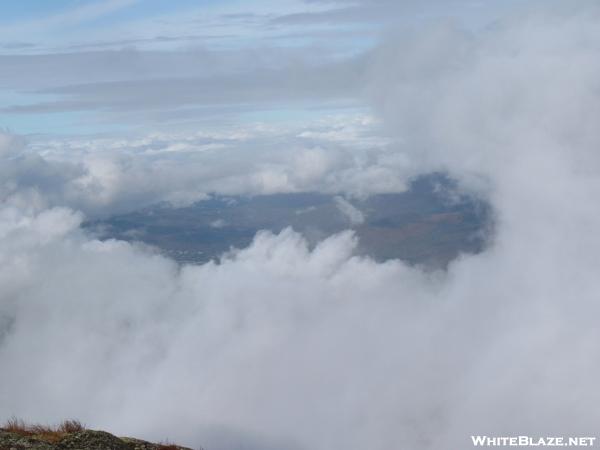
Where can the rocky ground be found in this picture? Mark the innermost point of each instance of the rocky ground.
(83, 439)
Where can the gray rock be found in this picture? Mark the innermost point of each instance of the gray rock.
(79, 440)
(91, 440)
(14, 441)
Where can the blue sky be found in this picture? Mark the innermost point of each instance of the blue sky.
(42, 9)
(98, 66)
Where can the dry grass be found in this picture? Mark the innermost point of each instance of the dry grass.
(43, 432)
(167, 445)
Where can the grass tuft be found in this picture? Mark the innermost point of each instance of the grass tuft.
(166, 445)
(42, 432)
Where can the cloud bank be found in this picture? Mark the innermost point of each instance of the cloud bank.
(282, 347)
(105, 176)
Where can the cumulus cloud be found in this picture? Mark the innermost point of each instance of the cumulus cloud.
(280, 346)
(106, 176)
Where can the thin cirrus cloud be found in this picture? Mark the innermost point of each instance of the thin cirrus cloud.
(280, 346)
(194, 56)
(296, 83)
(68, 18)
(378, 12)
(169, 83)
(56, 68)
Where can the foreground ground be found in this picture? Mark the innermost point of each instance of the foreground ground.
(70, 435)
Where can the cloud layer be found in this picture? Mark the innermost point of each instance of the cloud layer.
(120, 63)
(282, 347)
(105, 176)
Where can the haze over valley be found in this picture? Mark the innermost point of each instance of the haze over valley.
(427, 225)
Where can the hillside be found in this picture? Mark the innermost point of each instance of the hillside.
(70, 435)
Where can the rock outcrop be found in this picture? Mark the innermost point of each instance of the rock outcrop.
(78, 440)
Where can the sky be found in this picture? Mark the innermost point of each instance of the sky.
(282, 345)
(88, 67)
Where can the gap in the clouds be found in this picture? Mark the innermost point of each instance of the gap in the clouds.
(430, 224)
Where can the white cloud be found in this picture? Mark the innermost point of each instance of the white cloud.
(219, 223)
(282, 347)
(105, 176)
(351, 212)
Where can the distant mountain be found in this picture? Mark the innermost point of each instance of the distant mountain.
(430, 224)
